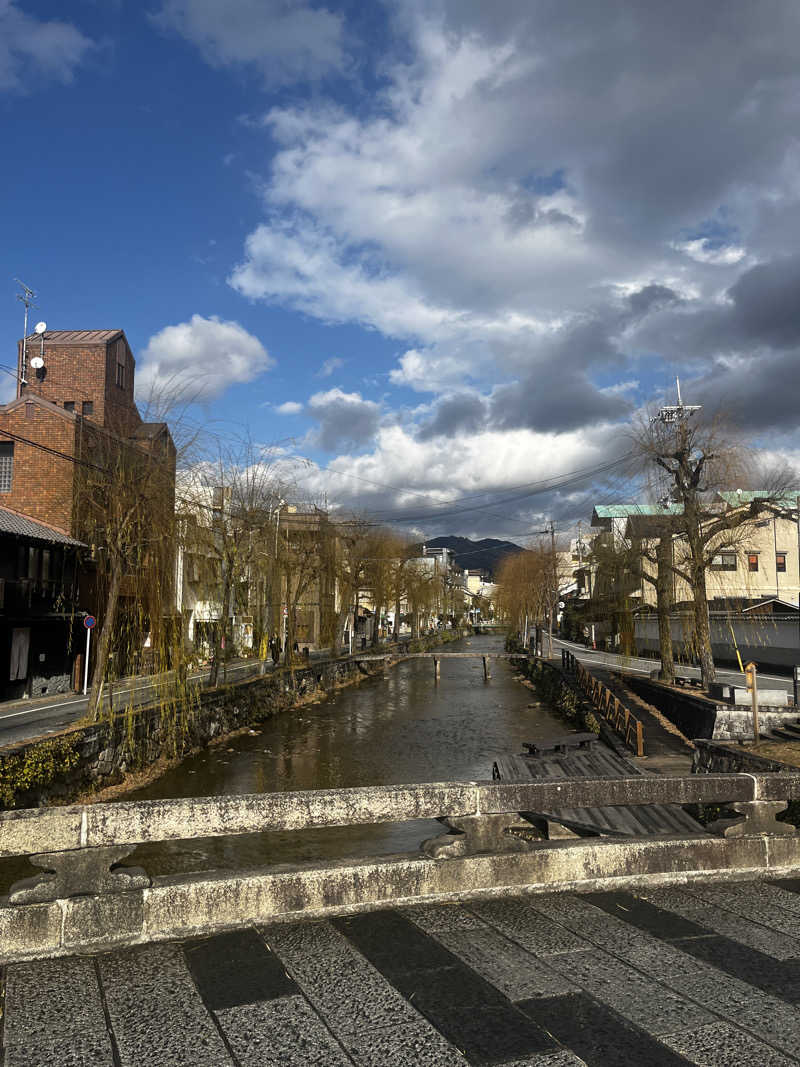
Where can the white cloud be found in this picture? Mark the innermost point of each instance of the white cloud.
(513, 207)
(329, 366)
(289, 407)
(704, 251)
(284, 39)
(34, 50)
(429, 475)
(200, 359)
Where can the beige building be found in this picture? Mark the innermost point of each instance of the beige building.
(754, 563)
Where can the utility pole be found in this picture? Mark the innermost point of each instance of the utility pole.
(686, 474)
(554, 600)
(26, 297)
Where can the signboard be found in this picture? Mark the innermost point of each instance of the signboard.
(89, 622)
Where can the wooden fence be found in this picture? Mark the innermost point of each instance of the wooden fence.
(620, 718)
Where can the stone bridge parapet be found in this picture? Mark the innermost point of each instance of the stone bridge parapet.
(85, 899)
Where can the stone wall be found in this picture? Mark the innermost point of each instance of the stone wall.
(698, 717)
(710, 757)
(693, 714)
(60, 769)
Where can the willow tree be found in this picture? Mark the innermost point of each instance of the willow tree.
(125, 507)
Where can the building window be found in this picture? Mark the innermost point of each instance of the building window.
(752, 562)
(725, 561)
(780, 562)
(120, 374)
(29, 411)
(87, 407)
(6, 465)
(69, 405)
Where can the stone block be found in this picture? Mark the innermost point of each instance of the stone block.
(111, 920)
(36, 830)
(29, 932)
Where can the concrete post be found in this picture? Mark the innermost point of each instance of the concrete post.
(487, 670)
(436, 668)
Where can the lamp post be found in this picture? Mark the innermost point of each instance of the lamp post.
(275, 575)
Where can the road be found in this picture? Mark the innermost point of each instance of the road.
(639, 665)
(21, 720)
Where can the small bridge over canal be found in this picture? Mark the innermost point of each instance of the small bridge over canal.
(437, 657)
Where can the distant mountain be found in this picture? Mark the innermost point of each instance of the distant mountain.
(483, 555)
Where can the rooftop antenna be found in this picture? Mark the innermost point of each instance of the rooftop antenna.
(676, 413)
(27, 297)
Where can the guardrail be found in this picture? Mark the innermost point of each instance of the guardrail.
(85, 899)
(620, 718)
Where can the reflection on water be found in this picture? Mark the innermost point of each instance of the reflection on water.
(398, 728)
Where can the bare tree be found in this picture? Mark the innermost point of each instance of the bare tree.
(229, 507)
(700, 457)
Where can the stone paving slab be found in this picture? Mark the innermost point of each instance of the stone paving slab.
(558, 980)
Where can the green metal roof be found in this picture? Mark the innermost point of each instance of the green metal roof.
(624, 511)
(747, 496)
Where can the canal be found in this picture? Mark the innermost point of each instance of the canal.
(401, 727)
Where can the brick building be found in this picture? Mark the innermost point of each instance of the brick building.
(41, 635)
(75, 416)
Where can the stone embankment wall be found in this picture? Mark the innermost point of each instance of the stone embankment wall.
(710, 757)
(698, 717)
(92, 756)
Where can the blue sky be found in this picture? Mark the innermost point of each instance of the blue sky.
(439, 248)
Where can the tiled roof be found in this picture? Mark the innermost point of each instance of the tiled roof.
(14, 523)
(80, 337)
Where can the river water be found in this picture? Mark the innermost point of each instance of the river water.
(402, 727)
(398, 728)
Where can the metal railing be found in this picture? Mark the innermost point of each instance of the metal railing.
(618, 717)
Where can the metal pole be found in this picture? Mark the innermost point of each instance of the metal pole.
(86, 664)
(755, 704)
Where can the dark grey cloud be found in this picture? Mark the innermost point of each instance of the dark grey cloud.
(766, 303)
(554, 398)
(460, 413)
(652, 297)
(345, 420)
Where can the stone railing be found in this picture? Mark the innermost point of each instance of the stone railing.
(84, 899)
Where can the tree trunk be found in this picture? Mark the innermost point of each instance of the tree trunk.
(221, 631)
(664, 607)
(702, 629)
(376, 625)
(104, 643)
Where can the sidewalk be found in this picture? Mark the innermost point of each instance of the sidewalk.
(704, 974)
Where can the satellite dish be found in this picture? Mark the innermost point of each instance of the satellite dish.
(37, 362)
(40, 327)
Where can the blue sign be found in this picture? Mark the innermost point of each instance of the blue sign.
(89, 622)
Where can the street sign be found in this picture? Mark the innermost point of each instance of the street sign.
(89, 622)
(285, 612)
